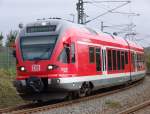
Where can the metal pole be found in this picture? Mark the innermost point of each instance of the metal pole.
(80, 11)
(102, 26)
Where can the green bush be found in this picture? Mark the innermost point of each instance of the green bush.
(8, 93)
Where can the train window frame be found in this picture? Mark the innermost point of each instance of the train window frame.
(92, 55)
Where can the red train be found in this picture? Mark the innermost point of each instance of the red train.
(63, 56)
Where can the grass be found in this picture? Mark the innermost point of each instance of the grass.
(112, 104)
(8, 93)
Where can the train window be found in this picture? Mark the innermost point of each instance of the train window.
(133, 59)
(122, 60)
(98, 59)
(126, 57)
(109, 60)
(105, 59)
(114, 59)
(64, 56)
(118, 60)
(91, 54)
(73, 53)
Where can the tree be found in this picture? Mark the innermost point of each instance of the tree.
(1, 38)
(11, 38)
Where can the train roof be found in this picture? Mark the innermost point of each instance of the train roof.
(63, 25)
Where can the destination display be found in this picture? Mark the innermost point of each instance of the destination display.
(41, 28)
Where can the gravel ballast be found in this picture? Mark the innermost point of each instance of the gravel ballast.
(110, 104)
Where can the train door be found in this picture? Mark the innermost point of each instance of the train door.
(104, 61)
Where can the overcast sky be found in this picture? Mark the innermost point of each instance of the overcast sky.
(12, 12)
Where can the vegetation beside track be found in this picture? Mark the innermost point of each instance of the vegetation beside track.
(8, 94)
(112, 104)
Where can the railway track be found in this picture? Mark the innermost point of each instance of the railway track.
(7, 110)
(136, 108)
(29, 109)
(21, 107)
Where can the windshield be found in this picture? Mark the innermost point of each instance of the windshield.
(37, 47)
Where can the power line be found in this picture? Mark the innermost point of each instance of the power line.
(133, 14)
(106, 1)
(127, 2)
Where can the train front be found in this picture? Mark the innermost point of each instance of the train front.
(36, 53)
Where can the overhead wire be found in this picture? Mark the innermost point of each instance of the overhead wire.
(108, 11)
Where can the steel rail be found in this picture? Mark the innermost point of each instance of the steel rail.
(67, 103)
(20, 107)
(135, 108)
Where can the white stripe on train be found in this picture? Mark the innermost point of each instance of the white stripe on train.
(98, 77)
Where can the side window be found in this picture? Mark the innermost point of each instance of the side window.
(126, 57)
(133, 60)
(73, 53)
(91, 54)
(98, 59)
(122, 60)
(105, 59)
(109, 55)
(114, 59)
(118, 60)
(64, 55)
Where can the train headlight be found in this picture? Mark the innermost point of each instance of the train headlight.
(22, 68)
(50, 67)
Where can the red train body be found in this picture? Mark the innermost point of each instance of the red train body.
(59, 55)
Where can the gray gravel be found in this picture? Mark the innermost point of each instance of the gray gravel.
(110, 104)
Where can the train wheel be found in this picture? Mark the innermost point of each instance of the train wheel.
(83, 90)
(89, 91)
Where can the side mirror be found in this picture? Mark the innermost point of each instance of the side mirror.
(14, 53)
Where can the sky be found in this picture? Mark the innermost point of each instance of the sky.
(13, 12)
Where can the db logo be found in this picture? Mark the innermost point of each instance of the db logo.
(36, 68)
